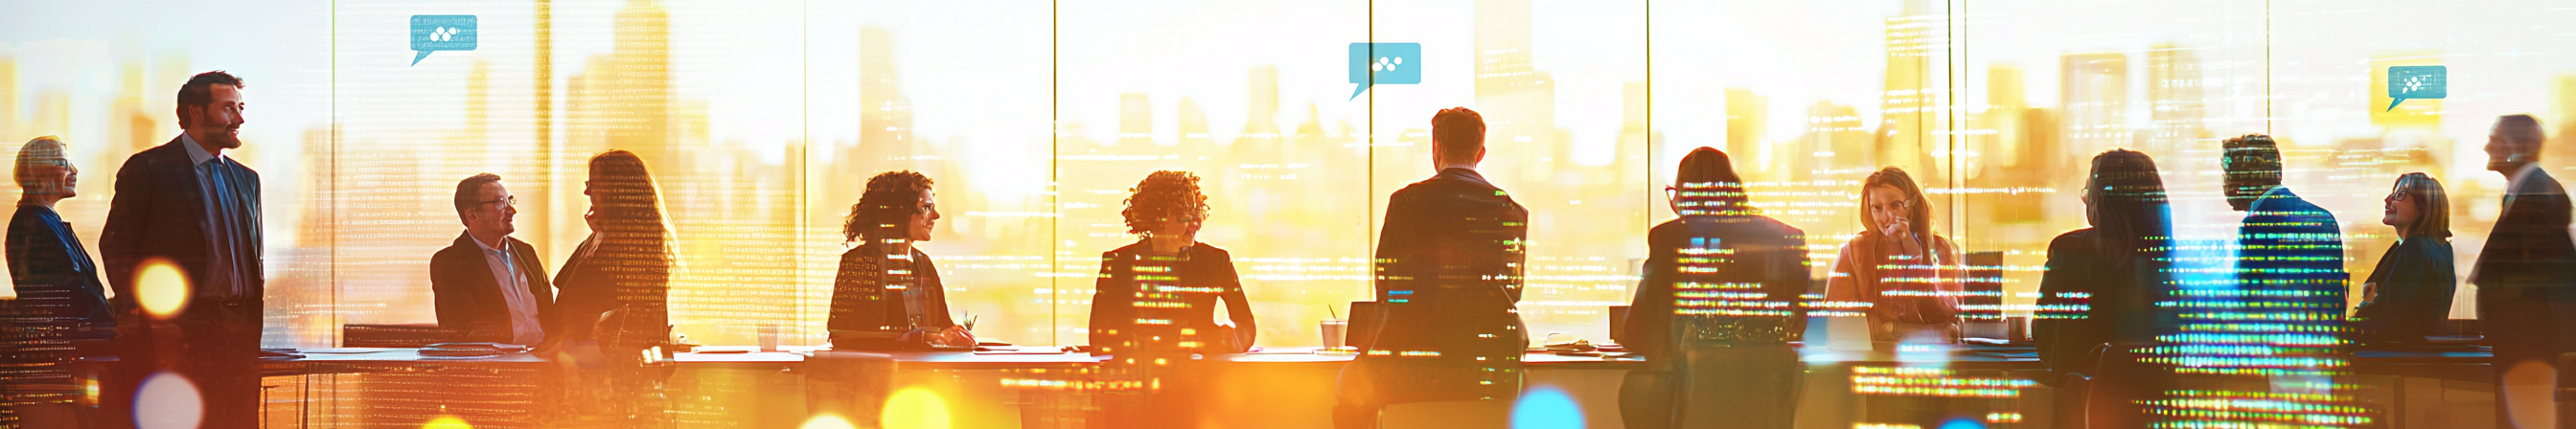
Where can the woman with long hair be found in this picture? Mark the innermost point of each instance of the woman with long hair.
(2102, 282)
(2409, 292)
(1903, 272)
(887, 294)
(616, 286)
(615, 293)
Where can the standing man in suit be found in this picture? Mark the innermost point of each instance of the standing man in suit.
(1449, 263)
(491, 287)
(186, 204)
(2527, 267)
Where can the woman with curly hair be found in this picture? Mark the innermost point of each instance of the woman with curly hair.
(888, 295)
(1155, 304)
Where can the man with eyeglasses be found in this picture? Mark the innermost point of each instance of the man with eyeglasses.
(490, 287)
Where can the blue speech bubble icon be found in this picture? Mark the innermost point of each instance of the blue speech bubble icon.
(2404, 82)
(433, 33)
(1385, 63)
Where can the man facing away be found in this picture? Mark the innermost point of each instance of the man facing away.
(188, 205)
(1449, 263)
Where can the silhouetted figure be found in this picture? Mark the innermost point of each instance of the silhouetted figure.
(615, 289)
(887, 294)
(1154, 306)
(50, 269)
(2525, 274)
(2409, 292)
(2103, 281)
(1717, 309)
(61, 312)
(487, 286)
(186, 203)
(1449, 274)
(1906, 274)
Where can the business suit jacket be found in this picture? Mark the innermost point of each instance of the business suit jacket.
(867, 301)
(2088, 299)
(470, 303)
(53, 271)
(2290, 245)
(2416, 281)
(2530, 248)
(1722, 250)
(159, 212)
(601, 277)
(1204, 276)
(1449, 268)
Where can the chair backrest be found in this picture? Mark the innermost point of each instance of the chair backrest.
(1363, 324)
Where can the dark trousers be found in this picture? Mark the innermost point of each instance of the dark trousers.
(2524, 328)
(1739, 386)
(214, 349)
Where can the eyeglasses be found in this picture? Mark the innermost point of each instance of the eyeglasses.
(505, 201)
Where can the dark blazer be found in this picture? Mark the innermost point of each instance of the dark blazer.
(2416, 280)
(2086, 300)
(159, 212)
(2530, 248)
(1205, 276)
(48, 264)
(1728, 250)
(469, 301)
(867, 307)
(2290, 245)
(1449, 265)
(598, 279)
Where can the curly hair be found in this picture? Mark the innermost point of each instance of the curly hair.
(1162, 196)
(890, 201)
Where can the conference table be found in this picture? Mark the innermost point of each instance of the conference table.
(1038, 387)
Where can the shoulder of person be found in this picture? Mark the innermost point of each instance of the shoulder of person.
(1204, 250)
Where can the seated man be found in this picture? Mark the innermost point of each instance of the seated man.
(490, 287)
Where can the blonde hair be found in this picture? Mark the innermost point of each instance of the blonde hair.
(47, 150)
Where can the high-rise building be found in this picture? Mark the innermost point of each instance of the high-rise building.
(1747, 114)
(2175, 88)
(2094, 91)
(1909, 103)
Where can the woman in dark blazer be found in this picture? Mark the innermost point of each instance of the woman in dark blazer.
(1155, 305)
(60, 301)
(2102, 282)
(887, 294)
(2409, 292)
(615, 289)
(50, 269)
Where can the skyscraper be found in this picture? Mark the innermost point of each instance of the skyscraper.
(1746, 116)
(2094, 90)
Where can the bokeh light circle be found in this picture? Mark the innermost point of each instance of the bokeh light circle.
(168, 401)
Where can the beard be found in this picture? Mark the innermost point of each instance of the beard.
(227, 137)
